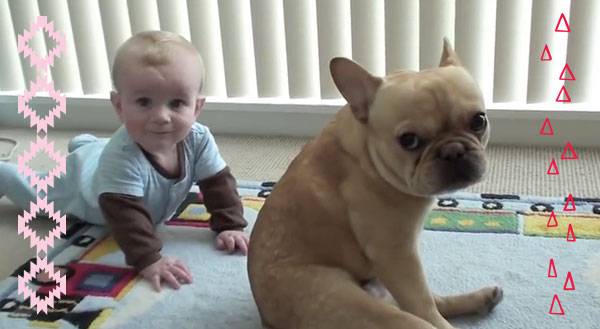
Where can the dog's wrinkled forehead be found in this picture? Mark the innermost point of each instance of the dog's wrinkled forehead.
(429, 93)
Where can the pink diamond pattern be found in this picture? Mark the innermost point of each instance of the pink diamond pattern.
(23, 160)
(41, 62)
(34, 240)
(42, 65)
(34, 120)
(42, 304)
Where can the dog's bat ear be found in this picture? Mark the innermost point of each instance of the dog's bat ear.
(449, 56)
(356, 84)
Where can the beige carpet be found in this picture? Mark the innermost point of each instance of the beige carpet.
(512, 169)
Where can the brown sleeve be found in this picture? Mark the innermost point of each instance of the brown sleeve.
(130, 225)
(223, 202)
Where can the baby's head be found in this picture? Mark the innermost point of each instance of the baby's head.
(156, 48)
(157, 78)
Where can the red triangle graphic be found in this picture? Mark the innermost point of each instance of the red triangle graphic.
(552, 269)
(563, 96)
(572, 156)
(545, 127)
(552, 221)
(553, 169)
(567, 69)
(554, 301)
(562, 20)
(546, 55)
(572, 206)
(569, 281)
(571, 234)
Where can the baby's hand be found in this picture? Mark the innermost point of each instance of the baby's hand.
(169, 269)
(230, 240)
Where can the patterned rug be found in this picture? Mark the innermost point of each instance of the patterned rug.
(104, 293)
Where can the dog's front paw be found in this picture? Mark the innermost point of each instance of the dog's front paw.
(493, 297)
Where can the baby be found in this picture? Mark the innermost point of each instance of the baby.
(137, 178)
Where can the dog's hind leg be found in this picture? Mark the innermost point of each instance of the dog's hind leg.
(481, 301)
(318, 297)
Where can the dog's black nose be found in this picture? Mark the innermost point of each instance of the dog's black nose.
(452, 151)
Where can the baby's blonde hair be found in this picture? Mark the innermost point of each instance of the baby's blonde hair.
(153, 48)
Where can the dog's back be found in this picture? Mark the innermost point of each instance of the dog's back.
(300, 218)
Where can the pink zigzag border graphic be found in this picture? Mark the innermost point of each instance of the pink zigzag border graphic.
(42, 144)
(41, 62)
(42, 304)
(34, 120)
(34, 239)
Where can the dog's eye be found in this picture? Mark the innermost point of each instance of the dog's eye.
(479, 122)
(409, 141)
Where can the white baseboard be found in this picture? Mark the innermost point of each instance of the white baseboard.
(575, 123)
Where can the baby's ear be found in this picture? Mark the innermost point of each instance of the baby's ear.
(115, 99)
(199, 105)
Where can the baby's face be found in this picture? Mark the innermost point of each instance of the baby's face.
(159, 104)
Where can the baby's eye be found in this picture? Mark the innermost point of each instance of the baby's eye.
(143, 101)
(176, 103)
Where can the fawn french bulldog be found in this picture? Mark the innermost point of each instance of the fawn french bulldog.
(343, 223)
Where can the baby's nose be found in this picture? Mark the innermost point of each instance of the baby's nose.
(161, 114)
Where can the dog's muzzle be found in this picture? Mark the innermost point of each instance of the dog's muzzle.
(460, 165)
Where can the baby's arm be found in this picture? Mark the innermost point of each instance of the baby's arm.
(132, 229)
(223, 202)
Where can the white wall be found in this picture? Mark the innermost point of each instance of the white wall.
(306, 118)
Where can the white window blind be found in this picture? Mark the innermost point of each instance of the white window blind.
(272, 48)
(277, 51)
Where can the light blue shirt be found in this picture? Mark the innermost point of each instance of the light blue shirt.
(118, 165)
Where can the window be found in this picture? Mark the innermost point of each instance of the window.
(272, 56)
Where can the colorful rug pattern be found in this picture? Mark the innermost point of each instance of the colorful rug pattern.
(99, 284)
